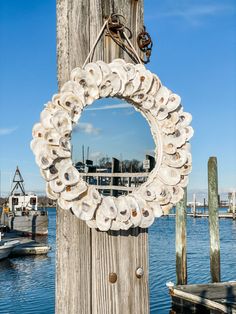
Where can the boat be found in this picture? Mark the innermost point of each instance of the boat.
(31, 249)
(7, 247)
(21, 213)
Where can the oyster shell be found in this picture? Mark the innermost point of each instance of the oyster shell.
(50, 193)
(108, 207)
(69, 175)
(64, 204)
(38, 131)
(169, 176)
(176, 160)
(56, 185)
(94, 70)
(70, 193)
(123, 211)
(135, 213)
(103, 222)
(173, 102)
(84, 208)
(146, 213)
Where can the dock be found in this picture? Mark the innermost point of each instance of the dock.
(204, 298)
(222, 215)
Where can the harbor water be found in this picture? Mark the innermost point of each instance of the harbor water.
(28, 283)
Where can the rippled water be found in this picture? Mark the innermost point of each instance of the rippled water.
(27, 283)
(162, 256)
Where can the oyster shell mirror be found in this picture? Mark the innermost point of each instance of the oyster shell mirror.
(169, 126)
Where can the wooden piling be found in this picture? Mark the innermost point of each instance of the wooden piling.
(233, 204)
(95, 271)
(213, 219)
(194, 205)
(115, 167)
(181, 241)
(152, 162)
(231, 198)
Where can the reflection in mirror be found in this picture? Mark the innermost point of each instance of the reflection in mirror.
(113, 147)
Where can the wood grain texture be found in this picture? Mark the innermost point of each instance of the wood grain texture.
(181, 241)
(213, 219)
(122, 253)
(73, 264)
(85, 257)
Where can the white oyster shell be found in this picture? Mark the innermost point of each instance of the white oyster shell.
(108, 207)
(70, 193)
(123, 211)
(84, 208)
(103, 222)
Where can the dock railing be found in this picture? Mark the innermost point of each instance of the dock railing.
(126, 181)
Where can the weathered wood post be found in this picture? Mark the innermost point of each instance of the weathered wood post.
(194, 205)
(231, 198)
(152, 162)
(181, 241)
(96, 271)
(115, 167)
(213, 219)
(233, 204)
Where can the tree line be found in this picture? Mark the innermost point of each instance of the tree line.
(126, 165)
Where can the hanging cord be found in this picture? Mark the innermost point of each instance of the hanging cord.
(95, 43)
(116, 30)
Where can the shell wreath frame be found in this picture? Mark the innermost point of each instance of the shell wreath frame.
(169, 126)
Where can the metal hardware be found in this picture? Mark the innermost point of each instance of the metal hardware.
(139, 272)
(145, 44)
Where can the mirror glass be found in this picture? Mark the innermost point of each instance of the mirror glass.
(112, 146)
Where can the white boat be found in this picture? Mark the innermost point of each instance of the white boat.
(21, 213)
(31, 249)
(7, 247)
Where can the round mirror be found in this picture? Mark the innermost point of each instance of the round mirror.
(74, 189)
(113, 148)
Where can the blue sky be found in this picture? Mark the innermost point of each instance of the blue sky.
(122, 133)
(194, 54)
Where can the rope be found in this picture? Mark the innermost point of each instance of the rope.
(115, 29)
(95, 43)
(135, 52)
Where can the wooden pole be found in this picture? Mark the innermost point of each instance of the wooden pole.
(213, 219)
(115, 167)
(152, 162)
(230, 202)
(96, 271)
(180, 241)
(194, 205)
(233, 204)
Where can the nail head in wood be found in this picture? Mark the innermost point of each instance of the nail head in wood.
(112, 277)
